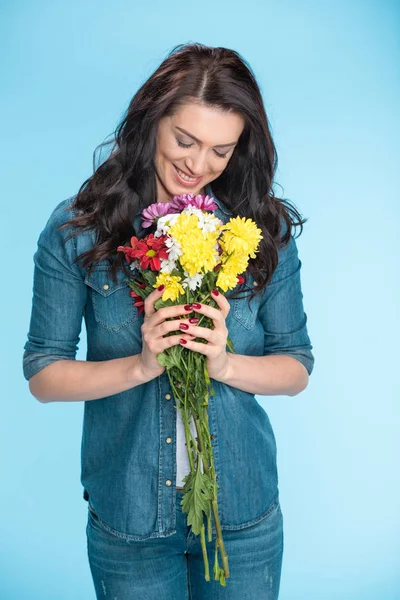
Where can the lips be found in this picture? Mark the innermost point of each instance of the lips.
(183, 181)
(184, 172)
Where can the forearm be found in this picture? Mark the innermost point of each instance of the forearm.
(266, 375)
(77, 380)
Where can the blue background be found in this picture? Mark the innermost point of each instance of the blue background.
(330, 80)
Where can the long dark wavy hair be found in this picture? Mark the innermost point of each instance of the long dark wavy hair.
(126, 182)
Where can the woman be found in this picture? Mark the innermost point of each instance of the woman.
(198, 120)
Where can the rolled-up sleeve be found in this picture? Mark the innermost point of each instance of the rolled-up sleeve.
(59, 297)
(282, 312)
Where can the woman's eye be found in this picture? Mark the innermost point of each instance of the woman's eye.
(188, 146)
(184, 145)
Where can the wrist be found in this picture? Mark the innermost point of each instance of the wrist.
(226, 376)
(136, 375)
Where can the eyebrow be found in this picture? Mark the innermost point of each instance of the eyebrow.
(194, 138)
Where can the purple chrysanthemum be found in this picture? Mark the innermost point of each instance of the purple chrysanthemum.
(154, 211)
(202, 202)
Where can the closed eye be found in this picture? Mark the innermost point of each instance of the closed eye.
(188, 146)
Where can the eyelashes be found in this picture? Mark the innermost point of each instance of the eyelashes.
(188, 146)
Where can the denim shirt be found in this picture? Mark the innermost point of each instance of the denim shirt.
(128, 463)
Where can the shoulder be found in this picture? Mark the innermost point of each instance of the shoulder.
(288, 250)
(61, 213)
(59, 242)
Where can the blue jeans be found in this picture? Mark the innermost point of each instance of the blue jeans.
(172, 568)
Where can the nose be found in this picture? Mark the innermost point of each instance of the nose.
(196, 166)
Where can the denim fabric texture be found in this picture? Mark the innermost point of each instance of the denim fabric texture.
(172, 568)
(128, 470)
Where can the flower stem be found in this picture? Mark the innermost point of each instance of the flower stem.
(214, 503)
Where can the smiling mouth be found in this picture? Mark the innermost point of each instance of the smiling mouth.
(187, 177)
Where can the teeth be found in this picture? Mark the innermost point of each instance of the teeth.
(185, 177)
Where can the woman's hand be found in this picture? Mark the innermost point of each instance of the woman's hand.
(154, 327)
(215, 347)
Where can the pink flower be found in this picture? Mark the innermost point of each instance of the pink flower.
(154, 211)
(202, 202)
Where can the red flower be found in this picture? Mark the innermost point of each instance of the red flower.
(138, 300)
(148, 251)
(240, 279)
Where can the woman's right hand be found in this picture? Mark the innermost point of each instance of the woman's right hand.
(154, 327)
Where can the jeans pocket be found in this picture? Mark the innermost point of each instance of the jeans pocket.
(112, 303)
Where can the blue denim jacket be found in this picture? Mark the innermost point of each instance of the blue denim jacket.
(128, 470)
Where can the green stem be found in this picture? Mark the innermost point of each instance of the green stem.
(214, 504)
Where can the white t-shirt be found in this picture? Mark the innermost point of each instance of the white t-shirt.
(182, 459)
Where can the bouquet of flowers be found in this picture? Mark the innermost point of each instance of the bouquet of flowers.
(192, 252)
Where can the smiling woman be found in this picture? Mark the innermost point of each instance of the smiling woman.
(197, 125)
(183, 158)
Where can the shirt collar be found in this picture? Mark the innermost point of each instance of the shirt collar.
(217, 201)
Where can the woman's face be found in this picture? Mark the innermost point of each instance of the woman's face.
(197, 142)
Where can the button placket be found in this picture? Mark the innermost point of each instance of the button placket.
(167, 457)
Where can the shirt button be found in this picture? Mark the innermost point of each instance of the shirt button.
(168, 440)
(168, 482)
(105, 286)
(168, 396)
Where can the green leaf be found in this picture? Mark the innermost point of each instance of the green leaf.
(206, 376)
(230, 346)
(196, 499)
(150, 276)
(143, 293)
(160, 303)
(170, 357)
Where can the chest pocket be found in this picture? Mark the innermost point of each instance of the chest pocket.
(112, 305)
(242, 312)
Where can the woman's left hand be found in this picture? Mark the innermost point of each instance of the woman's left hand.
(215, 347)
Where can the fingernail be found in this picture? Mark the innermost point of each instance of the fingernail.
(196, 305)
(183, 326)
(182, 341)
(215, 292)
(161, 287)
(188, 307)
(193, 320)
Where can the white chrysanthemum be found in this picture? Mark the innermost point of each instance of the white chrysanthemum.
(164, 223)
(193, 210)
(167, 266)
(134, 265)
(192, 282)
(208, 223)
(174, 248)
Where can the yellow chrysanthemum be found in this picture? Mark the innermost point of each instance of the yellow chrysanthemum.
(236, 263)
(198, 251)
(227, 274)
(173, 288)
(226, 280)
(241, 235)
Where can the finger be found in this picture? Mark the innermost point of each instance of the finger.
(222, 302)
(167, 312)
(172, 340)
(211, 335)
(204, 348)
(215, 314)
(166, 327)
(149, 309)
